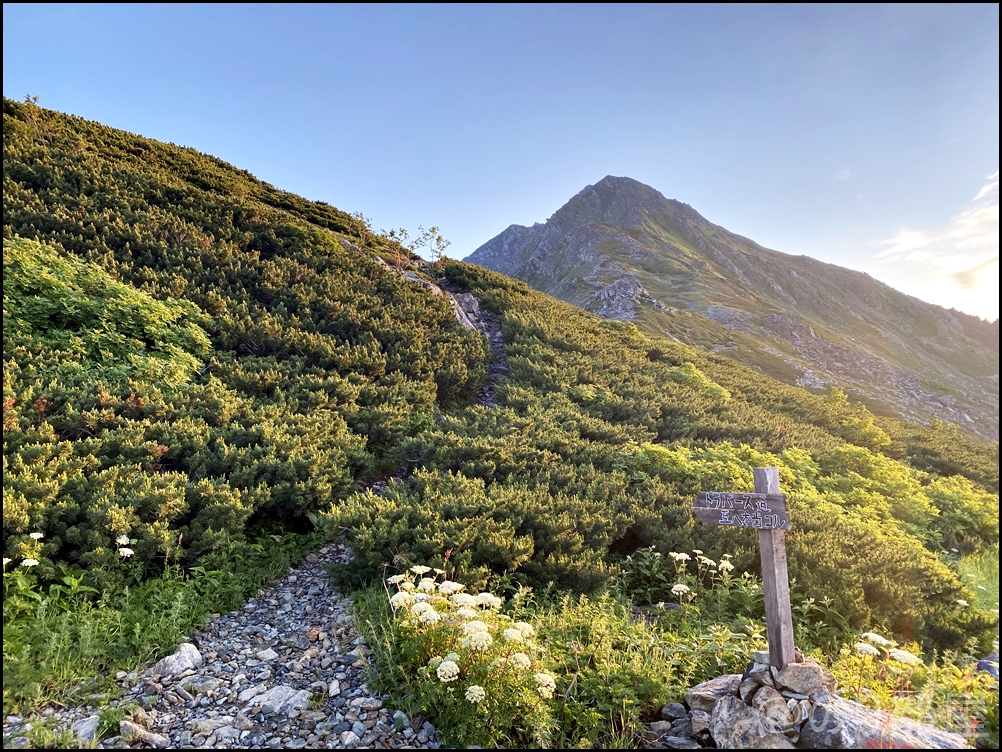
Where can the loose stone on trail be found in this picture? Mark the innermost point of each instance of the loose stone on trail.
(287, 670)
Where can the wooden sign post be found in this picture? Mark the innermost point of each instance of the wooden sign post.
(765, 510)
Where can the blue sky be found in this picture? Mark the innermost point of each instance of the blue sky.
(865, 136)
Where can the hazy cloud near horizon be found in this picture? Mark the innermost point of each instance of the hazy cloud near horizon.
(960, 255)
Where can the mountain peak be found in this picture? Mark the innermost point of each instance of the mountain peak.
(623, 250)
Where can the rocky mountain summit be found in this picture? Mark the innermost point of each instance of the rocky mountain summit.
(622, 250)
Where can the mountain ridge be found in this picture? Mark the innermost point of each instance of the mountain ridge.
(623, 250)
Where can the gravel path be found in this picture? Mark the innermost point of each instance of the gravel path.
(287, 670)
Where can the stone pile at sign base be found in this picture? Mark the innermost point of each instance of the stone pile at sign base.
(795, 708)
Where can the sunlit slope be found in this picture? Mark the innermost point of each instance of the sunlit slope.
(324, 370)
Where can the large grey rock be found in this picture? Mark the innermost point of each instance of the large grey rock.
(990, 664)
(734, 725)
(85, 730)
(464, 317)
(843, 724)
(704, 696)
(282, 699)
(746, 689)
(805, 678)
(186, 657)
(680, 742)
(135, 733)
(761, 673)
(699, 722)
(673, 712)
(654, 733)
(773, 706)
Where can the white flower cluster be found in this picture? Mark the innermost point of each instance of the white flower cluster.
(513, 635)
(903, 656)
(123, 542)
(447, 671)
(475, 693)
(679, 557)
(877, 640)
(545, 685)
(422, 601)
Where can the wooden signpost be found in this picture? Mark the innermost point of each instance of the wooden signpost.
(765, 510)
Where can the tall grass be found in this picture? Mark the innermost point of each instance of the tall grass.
(65, 647)
(980, 572)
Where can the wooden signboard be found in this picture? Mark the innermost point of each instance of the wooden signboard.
(762, 511)
(766, 511)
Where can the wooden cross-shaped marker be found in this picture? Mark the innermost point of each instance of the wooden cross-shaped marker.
(765, 510)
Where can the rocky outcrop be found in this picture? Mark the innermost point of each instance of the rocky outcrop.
(617, 300)
(796, 708)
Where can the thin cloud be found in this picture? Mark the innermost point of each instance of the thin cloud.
(843, 175)
(968, 242)
(969, 278)
(987, 189)
(955, 265)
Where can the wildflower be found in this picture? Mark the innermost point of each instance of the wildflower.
(29, 563)
(123, 540)
(420, 569)
(962, 602)
(451, 657)
(513, 635)
(447, 671)
(37, 536)
(707, 561)
(545, 685)
(520, 660)
(525, 628)
(680, 589)
(463, 599)
(903, 656)
(876, 639)
(395, 579)
(474, 626)
(406, 585)
(427, 585)
(466, 613)
(982, 587)
(447, 587)
(475, 693)
(679, 557)
(438, 571)
(697, 552)
(725, 566)
(431, 616)
(489, 600)
(420, 607)
(865, 648)
(6, 561)
(401, 600)
(480, 641)
(435, 661)
(727, 556)
(125, 553)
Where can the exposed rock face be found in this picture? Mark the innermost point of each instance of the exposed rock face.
(622, 250)
(734, 725)
(843, 724)
(704, 696)
(792, 708)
